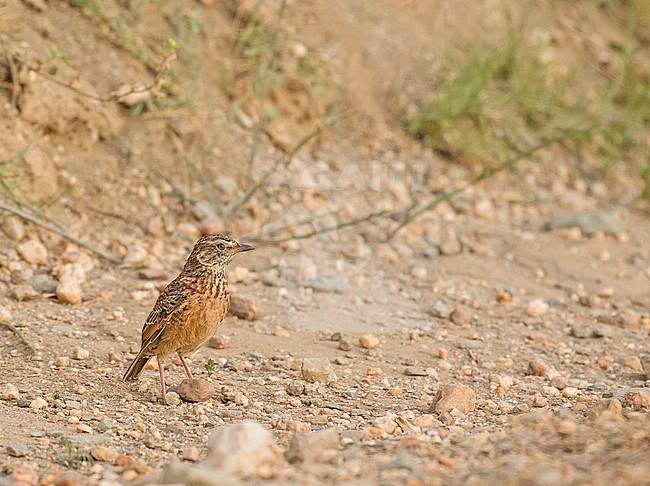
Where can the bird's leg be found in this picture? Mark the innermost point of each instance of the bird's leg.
(187, 370)
(162, 382)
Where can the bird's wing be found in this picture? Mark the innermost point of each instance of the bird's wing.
(170, 301)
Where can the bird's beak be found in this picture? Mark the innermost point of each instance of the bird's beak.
(242, 247)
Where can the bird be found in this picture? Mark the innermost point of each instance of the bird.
(190, 309)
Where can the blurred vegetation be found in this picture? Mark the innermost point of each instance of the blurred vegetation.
(257, 68)
(497, 100)
(120, 18)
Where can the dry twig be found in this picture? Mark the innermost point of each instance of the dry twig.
(284, 160)
(20, 335)
(416, 209)
(59, 231)
(344, 224)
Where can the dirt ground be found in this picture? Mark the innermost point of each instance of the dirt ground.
(546, 328)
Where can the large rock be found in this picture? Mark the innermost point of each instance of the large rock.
(195, 390)
(460, 397)
(245, 448)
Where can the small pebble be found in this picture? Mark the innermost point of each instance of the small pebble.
(325, 284)
(10, 392)
(295, 388)
(80, 354)
(13, 228)
(345, 344)
(191, 454)
(559, 382)
(5, 314)
(550, 391)
(460, 316)
(368, 341)
(414, 371)
(581, 331)
(606, 293)
(172, 398)
(71, 277)
(536, 307)
(537, 367)
(17, 449)
(418, 272)
(103, 454)
(520, 408)
(219, 341)
(38, 403)
(318, 369)
(33, 251)
(570, 392)
(539, 400)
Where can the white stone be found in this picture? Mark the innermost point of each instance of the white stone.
(10, 392)
(5, 314)
(80, 353)
(33, 251)
(38, 403)
(418, 272)
(71, 276)
(172, 398)
(245, 449)
(536, 307)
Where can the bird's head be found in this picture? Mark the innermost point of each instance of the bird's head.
(216, 251)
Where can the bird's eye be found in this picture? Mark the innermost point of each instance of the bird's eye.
(221, 246)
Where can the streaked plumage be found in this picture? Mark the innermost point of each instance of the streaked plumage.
(190, 309)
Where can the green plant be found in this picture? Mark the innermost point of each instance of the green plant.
(645, 176)
(70, 457)
(493, 98)
(497, 99)
(120, 21)
(258, 47)
(93, 6)
(53, 54)
(210, 365)
(10, 172)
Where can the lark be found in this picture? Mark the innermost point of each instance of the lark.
(190, 309)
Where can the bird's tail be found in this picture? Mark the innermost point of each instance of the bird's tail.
(136, 367)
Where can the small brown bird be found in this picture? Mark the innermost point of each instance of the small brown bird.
(190, 309)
